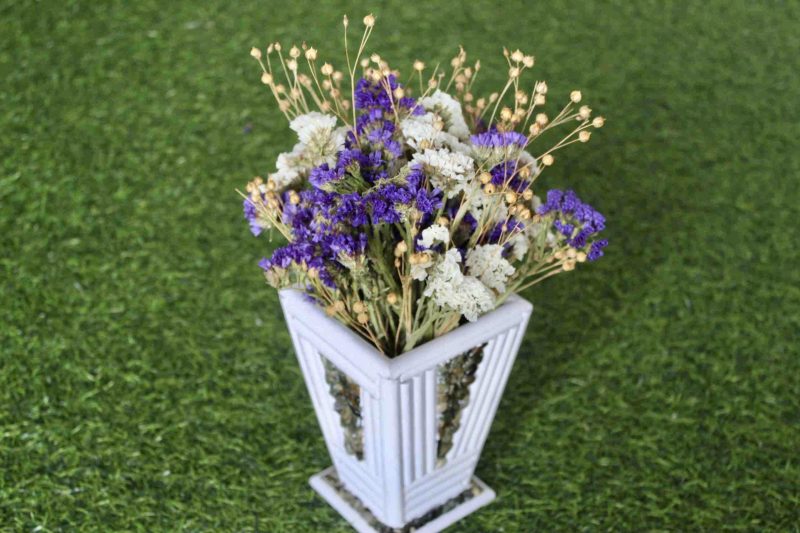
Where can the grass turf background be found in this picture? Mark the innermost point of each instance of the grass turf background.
(147, 379)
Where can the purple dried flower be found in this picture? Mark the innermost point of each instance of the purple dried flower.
(575, 220)
(499, 139)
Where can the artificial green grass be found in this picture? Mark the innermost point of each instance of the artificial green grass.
(148, 382)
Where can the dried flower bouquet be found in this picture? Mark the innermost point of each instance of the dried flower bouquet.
(410, 208)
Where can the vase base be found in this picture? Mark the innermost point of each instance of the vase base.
(327, 485)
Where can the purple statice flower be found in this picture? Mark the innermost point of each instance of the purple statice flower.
(386, 201)
(499, 139)
(251, 214)
(505, 174)
(369, 95)
(382, 134)
(506, 227)
(323, 174)
(350, 157)
(596, 250)
(576, 221)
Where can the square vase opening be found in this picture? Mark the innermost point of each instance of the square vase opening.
(405, 433)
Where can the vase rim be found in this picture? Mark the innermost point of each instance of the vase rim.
(439, 349)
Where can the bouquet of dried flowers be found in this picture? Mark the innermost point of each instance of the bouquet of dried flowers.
(406, 214)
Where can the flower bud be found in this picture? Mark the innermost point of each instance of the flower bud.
(547, 160)
(584, 136)
(266, 78)
(598, 122)
(400, 249)
(359, 307)
(294, 52)
(369, 21)
(419, 66)
(485, 177)
(575, 96)
(391, 298)
(511, 197)
(362, 318)
(255, 52)
(311, 54)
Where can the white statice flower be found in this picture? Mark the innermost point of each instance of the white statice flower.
(449, 109)
(519, 246)
(451, 289)
(290, 165)
(433, 234)
(481, 205)
(521, 241)
(320, 136)
(486, 262)
(312, 124)
(419, 271)
(450, 171)
(426, 131)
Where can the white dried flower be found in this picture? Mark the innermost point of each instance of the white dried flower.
(451, 289)
(450, 110)
(519, 246)
(318, 132)
(433, 234)
(424, 131)
(290, 165)
(450, 171)
(419, 268)
(486, 262)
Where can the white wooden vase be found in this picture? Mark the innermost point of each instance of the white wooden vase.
(397, 475)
